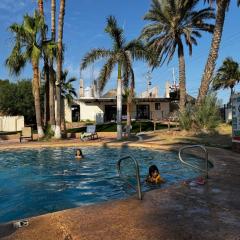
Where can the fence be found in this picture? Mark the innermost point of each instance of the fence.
(11, 123)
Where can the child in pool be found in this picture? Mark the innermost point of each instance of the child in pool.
(79, 154)
(154, 176)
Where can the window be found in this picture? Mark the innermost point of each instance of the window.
(157, 106)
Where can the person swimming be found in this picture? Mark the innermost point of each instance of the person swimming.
(79, 154)
(154, 175)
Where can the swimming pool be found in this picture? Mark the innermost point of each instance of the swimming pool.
(35, 182)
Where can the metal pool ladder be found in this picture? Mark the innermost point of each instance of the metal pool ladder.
(205, 170)
(138, 188)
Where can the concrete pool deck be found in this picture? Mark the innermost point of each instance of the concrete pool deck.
(210, 211)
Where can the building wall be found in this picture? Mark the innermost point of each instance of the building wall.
(92, 112)
(95, 111)
(11, 123)
(68, 111)
(160, 114)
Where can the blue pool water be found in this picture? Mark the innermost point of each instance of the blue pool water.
(34, 182)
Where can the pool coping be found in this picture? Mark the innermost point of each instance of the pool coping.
(69, 229)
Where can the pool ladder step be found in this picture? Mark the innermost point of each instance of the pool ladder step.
(138, 187)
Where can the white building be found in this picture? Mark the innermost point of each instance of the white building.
(103, 109)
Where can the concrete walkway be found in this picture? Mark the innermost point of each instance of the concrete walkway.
(211, 211)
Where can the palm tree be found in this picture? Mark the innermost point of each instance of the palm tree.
(222, 6)
(67, 92)
(51, 70)
(227, 76)
(122, 54)
(59, 69)
(45, 69)
(28, 47)
(67, 89)
(171, 22)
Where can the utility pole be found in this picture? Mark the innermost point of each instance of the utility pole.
(148, 77)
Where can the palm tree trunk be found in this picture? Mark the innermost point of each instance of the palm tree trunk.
(40, 7)
(36, 94)
(59, 69)
(46, 71)
(119, 103)
(46, 94)
(129, 109)
(213, 54)
(231, 94)
(182, 77)
(51, 70)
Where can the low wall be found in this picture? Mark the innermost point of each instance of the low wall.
(11, 123)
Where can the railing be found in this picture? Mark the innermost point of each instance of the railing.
(205, 170)
(138, 188)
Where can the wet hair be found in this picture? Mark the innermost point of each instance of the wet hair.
(79, 151)
(152, 169)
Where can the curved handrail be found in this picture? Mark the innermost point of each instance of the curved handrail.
(138, 189)
(191, 165)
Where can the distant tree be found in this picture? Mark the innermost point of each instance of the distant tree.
(67, 90)
(67, 93)
(227, 76)
(17, 99)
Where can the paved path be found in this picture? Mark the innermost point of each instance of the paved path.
(208, 212)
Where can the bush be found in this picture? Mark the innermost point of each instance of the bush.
(205, 117)
(185, 118)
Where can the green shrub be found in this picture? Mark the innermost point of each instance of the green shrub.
(207, 116)
(185, 118)
(203, 118)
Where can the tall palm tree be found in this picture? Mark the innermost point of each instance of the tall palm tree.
(51, 70)
(28, 47)
(227, 76)
(171, 22)
(59, 68)
(45, 69)
(222, 6)
(122, 54)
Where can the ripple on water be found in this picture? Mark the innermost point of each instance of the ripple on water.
(39, 181)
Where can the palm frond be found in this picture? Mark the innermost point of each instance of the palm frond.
(94, 55)
(115, 32)
(16, 61)
(106, 72)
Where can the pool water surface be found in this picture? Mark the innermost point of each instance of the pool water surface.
(35, 182)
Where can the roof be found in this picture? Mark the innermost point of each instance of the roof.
(137, 100)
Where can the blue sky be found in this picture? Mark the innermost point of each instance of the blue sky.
(84, 29)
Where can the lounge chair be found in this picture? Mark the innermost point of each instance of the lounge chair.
(26, 133)
(90, 133)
